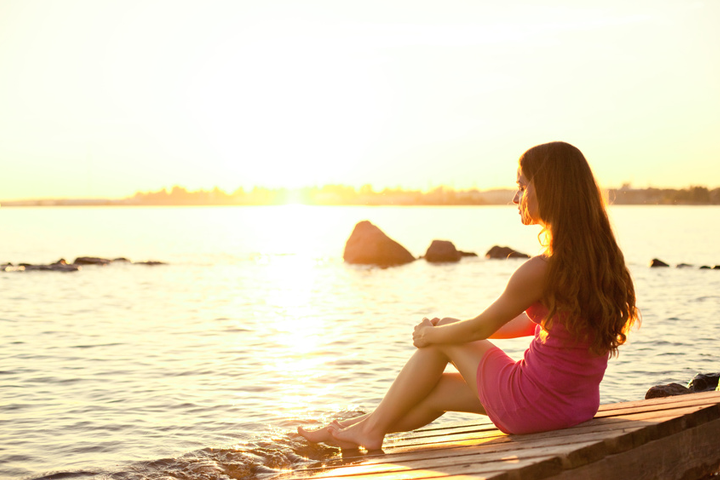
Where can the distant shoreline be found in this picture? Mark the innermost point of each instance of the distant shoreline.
(338, 195)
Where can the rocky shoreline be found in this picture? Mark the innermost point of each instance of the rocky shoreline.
(702, 382)
(368, 245)
(62, 265)
(657, 263)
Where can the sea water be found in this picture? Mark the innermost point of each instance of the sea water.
(205, 366)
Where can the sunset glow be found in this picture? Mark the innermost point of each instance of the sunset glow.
(103, 99)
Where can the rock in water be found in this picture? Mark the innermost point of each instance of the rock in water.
(91, 261)
(504, 252)
(704, 382)
(668, 390)
(53, 267)
(442, 251)
(368, 245)
(658, 263)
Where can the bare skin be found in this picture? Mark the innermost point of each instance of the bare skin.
(323, 434)
(423, 391)
(451, 386)
(449, 392)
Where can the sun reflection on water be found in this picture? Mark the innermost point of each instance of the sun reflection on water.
(297, 327)
(295, 320)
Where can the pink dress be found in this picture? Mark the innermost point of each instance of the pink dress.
(556, 384)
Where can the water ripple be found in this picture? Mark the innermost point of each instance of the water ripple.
(202, 370)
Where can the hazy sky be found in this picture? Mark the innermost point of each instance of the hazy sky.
(105, 98)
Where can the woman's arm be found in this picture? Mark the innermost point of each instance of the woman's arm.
(520, 326)
(524, 288)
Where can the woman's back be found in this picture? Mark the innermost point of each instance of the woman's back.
(556, 384)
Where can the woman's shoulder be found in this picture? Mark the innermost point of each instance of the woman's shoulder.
(531, 276)
(536, 266)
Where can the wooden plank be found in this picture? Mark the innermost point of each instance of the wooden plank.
(497, 436)
(706, 398)
(697, 397)
(691, 453)
(709, 398)
(462, 468)
(483, 452)
(613, 434)
(482, 462)
(478, 453)
(610, 409)
(439, 459)
(523, 447)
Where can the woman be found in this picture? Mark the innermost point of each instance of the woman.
(577, 299)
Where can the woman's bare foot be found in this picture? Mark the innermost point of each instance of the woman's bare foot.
(359, 435)
(315, 436)
(323, 435)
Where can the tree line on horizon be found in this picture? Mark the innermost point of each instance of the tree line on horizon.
(365, 195)
(325, 195)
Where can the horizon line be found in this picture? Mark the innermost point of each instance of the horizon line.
(627, 186)
(338, 195)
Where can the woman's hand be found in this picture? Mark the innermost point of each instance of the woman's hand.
(420, 339)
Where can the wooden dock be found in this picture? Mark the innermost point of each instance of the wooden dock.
(665, 438)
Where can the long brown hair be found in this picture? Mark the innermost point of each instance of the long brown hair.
(587, 276)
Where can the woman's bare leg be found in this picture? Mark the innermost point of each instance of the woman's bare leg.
(451, 394)
(407, 395)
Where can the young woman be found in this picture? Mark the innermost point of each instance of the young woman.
(577, 300)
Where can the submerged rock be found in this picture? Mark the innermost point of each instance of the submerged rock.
(62, 266)
(504, 252)
(445, 251)
(368, 245)
(442, 251)
(669, 390)
(92, 261)
(53, 267)
(683, 265)
(658, 263)
(702, 382)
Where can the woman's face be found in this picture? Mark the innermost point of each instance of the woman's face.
(526, 200)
